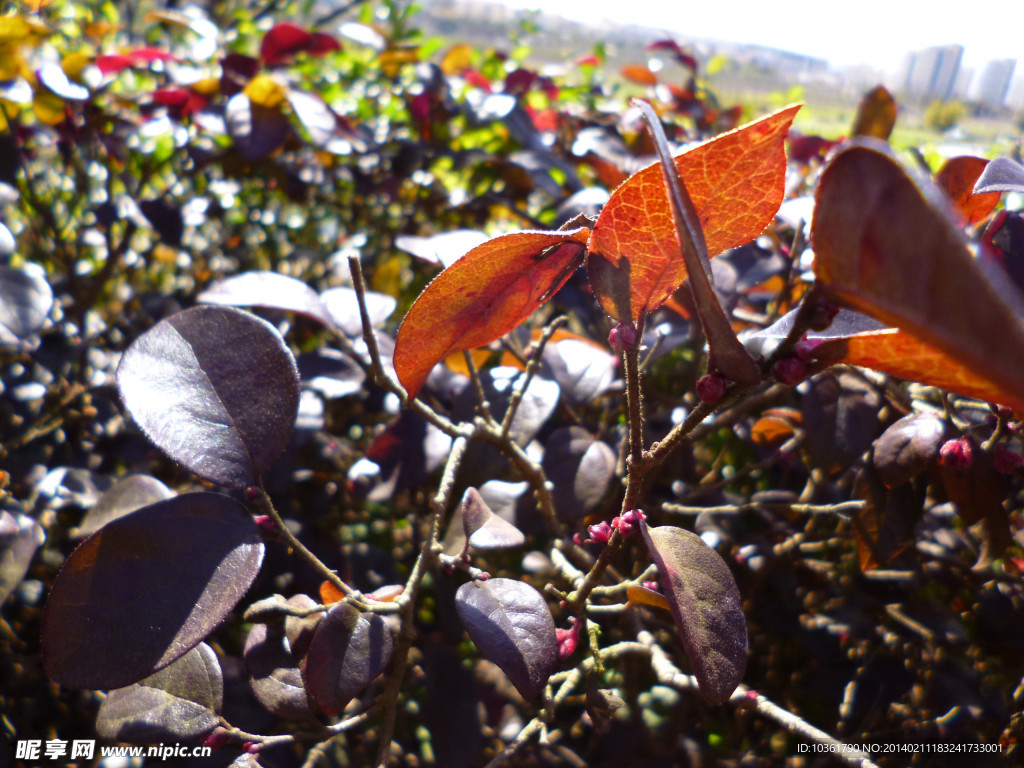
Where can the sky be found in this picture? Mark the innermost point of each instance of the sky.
(873, 32)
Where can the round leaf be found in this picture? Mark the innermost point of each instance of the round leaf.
(348, 651)
(705, 604)
(908, 448)
(181, 701)
(25, 301)
(147, 588)
(216, 389)
(267, 289)
(509, 621)
(130, 494)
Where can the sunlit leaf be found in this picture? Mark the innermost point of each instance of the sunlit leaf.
(706, 606)
(580, 467)
(483, 528)
(181, 701)
(876, 114)
(127, 495)
(886, 246)
(349, 650)
(140, 593)
(1001, 175)
(509, 621)
(20, 536)
(908, 448)
(736, 182)
(216, 389)
(957, 177)
(270, 290)
(25, 302)
(482, 296)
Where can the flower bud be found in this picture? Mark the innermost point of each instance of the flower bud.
(711, 388)
(600, 533)
(622, 337)
(956, 454)
(790, 370)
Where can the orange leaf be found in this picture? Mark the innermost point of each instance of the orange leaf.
(637, 595)
(639, 74)
(900, 354)
(957, 177)
(330, 593)
(771, 430)
(736, 182)
(483, 296)
(887, 246)
(876, 114)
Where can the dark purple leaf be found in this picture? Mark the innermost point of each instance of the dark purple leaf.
(181, 701)
(269, 290)
(216, 389)
(256, 130)
(348, 651)
(343, 308)
(706, 606)
(165, 217)
(147, 588)
(580, 467)
(1000, 175)
(403, 454)
(25, 301)
(583, 371)
(330, 373)
(509, 621)
(908, 448)
(841, 419)
(128, 495)
(20, 536)
(273, 655)
(483, 528)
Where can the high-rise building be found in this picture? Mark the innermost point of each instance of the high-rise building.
(992, 84)
(931, 73)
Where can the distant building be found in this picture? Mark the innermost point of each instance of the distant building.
(992, 85)
(932, 73)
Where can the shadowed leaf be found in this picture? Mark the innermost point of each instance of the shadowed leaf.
(840, 417)
(139, 593)
(181, 701)
(483, 296)
(348, 651)
(216, 389)
(887, 246)
(510, 623)
(908, 448)
(705, 604)
(736, 182)
(580, 468)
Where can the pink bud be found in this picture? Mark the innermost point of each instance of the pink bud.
(822, 315)
(252, 747)
(622, 337)
(568, 639)
(1006, 461)
(651, 585)
(600, 533)
(710, 388)
(216, 739)
(265, 523)
(956, 453)
(628, 522)
(790, 370)
(804, 349)
(252, 493)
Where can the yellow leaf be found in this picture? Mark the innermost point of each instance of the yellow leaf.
(263, 91)
(457, 60)
(49, 107)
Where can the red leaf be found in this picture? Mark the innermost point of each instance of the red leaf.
(639, 74)
(483, 296)
(285, 40)
(957, 177)
(736, 182)
(887, 246)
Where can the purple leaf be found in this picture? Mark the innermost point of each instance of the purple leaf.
(1000, 175)
(509, 621)
(841, 419)
(181, 701)
(269, 290)
(483, 528)
(908, 447)
(147, 588)
(256, 130)
(583, 371)
(20, 536)
(706, 606)
(348, 651)
(25, 301)
(580, 467)
(128, 495)
(216, 389)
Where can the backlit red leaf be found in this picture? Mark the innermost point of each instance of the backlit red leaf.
(889, 247)
(736, 182)
(957, 176)
(482, 296)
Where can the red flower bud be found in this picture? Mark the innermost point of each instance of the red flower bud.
(710, 388)
(568, 639)
(628, 522)
(600, 533)
(790, 370)
(804, 349)
(265, 523)
(957, 453)
(216, 738)
(622, 337)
